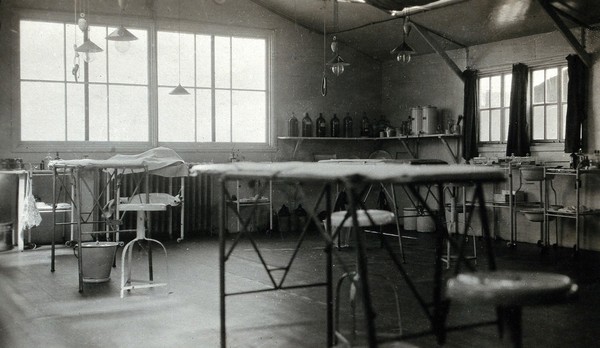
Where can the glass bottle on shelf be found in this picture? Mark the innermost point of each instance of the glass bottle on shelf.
(365, 126)
(335, 126)
(321, 126)
(348, 126)
(307, 126)
(293, 126)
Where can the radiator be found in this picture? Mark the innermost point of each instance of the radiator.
(197, 208)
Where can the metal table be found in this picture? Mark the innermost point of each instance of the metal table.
(356, 178)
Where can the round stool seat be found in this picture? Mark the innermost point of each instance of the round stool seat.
(379, 217)
(510, 288)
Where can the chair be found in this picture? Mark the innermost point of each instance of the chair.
(370, 217)
(509, 291)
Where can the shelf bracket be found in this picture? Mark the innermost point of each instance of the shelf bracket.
(298, 142)
(413, 153)
(449, 148)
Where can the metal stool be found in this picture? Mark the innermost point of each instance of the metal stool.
(372, 217)
(509, 291)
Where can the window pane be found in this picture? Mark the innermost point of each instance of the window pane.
(565, 83)
(484, 125)
(538, 86)
(42, 111)
(248, 63)
(97, 63)
(203, 115)
(484, 92)
(538, 123)
(98, 113)
(496, 126)
(130, 66)
(551, 85)
(551, 122)
(75, 112)
(564, 121)
(506, 122)
(128, 113)
(222, 62)
(187, 60)
(203, 61)
(495, 91)
(42, 50)
(223, 116)
(175, 117)
(167, 58)
(507, 89)
(249, 116)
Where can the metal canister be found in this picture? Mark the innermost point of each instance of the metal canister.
(416, 120)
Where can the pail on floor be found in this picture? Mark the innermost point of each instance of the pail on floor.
(97, 261)
(410, 219)
(6, 232)
(425, 223)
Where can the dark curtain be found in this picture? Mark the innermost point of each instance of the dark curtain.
(576, 103)
(518, 132)
(470, 115)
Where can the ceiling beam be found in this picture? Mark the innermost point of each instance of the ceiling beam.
(438, 49)
(566, 32)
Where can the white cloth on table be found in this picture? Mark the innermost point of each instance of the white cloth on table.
(155, 197)
(160, 161)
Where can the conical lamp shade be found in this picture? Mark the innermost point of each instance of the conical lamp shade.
(179, 90)
(403, 48)
(121, 34)
(88, 47)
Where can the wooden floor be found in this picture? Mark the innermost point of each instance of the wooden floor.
(40, 308)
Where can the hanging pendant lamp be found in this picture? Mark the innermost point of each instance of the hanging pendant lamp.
(179, 90)
(121, 35)
(88, 47)
(403, 52)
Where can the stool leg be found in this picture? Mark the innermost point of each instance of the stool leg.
(510, 317)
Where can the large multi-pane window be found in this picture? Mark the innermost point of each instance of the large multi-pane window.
(547, 100)
(494, 107)
(226, 75)
(227, 80)
(52, 93)
(549, 103)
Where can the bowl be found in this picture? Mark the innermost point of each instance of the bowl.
(532, 173)
(536, 215)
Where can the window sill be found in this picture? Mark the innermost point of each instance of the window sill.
(80, 147)
(557, 147)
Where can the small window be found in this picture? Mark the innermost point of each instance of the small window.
(548, 103)
(494, 107)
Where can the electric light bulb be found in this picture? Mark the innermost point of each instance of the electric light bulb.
(122, 46)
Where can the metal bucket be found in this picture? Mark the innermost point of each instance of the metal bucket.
(6, 232)
(425, 223)
(410, 219)
(97, 260)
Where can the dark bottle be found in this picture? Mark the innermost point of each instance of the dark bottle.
(301, 217)
(307, 126)
(365, 126)
(283, 217)
(335, 126)
(321, 126)
(348, 126)
(293, 126)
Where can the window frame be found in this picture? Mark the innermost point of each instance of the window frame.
(152, 28)
(503, 116)
(540, 145)
(559, 102)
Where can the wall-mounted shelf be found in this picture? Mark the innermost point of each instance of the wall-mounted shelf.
(406, 141)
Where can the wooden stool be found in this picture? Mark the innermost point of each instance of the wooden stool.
(509, 291)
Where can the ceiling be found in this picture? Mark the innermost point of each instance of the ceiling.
(455, 23)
